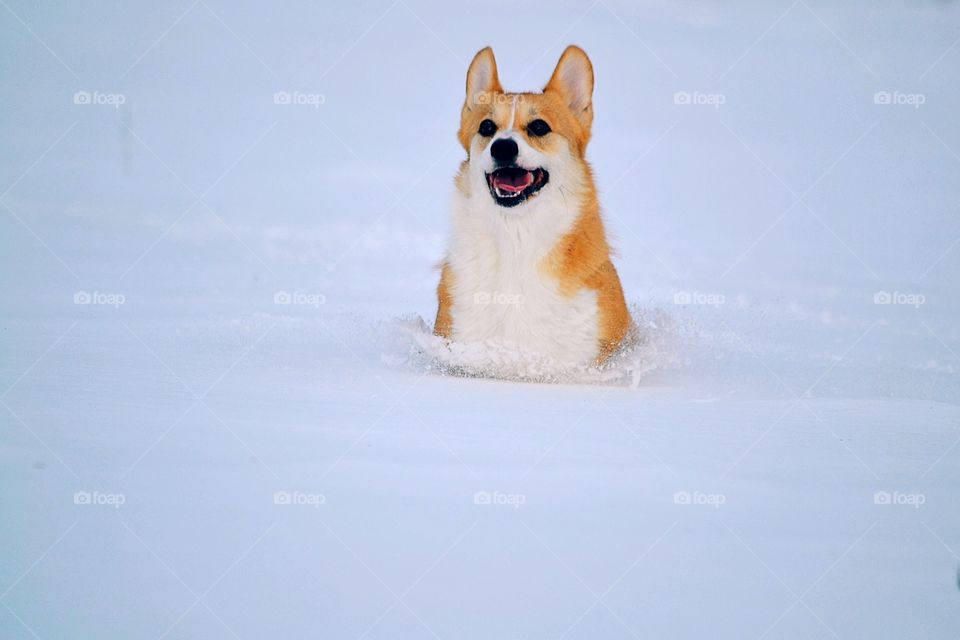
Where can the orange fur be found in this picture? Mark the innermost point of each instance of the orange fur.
(581, 259)
(444, 324)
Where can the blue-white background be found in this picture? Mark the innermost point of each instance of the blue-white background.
(745, 160)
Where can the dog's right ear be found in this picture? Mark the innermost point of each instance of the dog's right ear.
(482, 77)
(572, 80)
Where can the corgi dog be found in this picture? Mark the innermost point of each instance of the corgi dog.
(528, 263)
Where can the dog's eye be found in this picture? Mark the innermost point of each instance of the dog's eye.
(538, 128)
(488, 128)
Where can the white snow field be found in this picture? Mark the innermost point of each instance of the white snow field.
(220, 223)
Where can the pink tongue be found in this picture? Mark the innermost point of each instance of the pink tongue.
(518, 183)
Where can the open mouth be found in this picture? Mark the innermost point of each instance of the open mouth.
(510, 186)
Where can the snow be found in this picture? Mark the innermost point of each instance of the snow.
(244, 432)
(646, 347)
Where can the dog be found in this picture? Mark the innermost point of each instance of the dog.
(528, 263)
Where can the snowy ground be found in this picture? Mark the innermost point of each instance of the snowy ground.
(732, 494)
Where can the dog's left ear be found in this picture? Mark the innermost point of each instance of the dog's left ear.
(572, 80)
(482, 77)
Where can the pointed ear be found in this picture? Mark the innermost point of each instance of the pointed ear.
(482, 76)
(572, 80)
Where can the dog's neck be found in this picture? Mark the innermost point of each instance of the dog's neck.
(526, 233)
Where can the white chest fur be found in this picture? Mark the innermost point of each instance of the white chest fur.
(500, 292)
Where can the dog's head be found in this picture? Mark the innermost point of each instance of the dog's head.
(518, 142)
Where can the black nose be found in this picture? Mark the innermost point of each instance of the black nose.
(504, 150)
